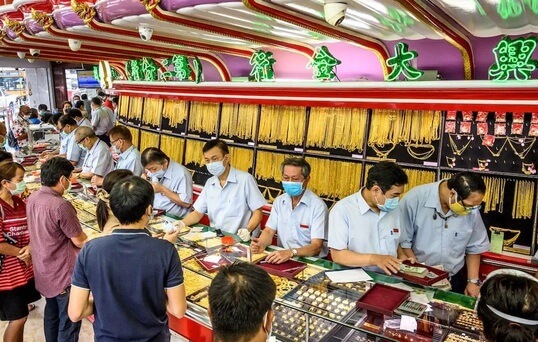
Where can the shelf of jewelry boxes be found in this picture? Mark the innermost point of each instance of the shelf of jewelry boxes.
(309, 307)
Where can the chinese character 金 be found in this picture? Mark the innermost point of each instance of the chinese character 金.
(324, 64)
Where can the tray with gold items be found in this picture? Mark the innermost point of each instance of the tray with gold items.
(185, 253)
(240, 252)
(194, 282)
(193, 265)
(212, 262)
(455, 335)
(200, 298)
(85, 217)
(468, 320)
(283, 285)
(309, 272)
(290, 325)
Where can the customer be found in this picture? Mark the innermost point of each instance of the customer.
(66, 106)
(44, 113)
(79, 118)
(98, 161)
(80, 106)
(56, 237)
(20, 127)
(17, 288)
(87, 105)
(5, 156)
(508, 307)
(171, 182)
(34, 119)
(106, 220)
(240, 304)
(133, 278)
(69, 148)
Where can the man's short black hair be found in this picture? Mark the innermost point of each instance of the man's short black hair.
(97, 101)
(130, 198)
(84, 96)
(75, 113)
(79, 104)
(55, 117)
(386, 174)
(153, 155)
(466, 182)
(66, 120)
(54, 169)
(42, 107)
(216, 143)
(239, 297)
(4, 155)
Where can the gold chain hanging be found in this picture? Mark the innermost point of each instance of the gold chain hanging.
(173, 147)
(523, 200)
(123, 106)
(268, 165)
(135, 108)
(241, 158)
(148, 139)
(324, 183)
(152, 112)
(193, 152)
(238, 120)
(282, 123)
(175, 111)
(204, 117)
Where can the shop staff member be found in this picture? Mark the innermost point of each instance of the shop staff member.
(101, 121)
(98, 161)
(299, 216)
(56, 236)
(444, 227)
(230, 198)
(121, 141)
(69, 148)
(171, 182)
(240, 304)
(363, 227)
(131, 294)
(79, 118)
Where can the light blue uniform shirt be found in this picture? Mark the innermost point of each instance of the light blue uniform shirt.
(98, 159)
(432, 243)
(130, 160)
(298, 226)
(72, 151)
(84, 122)
(229, 208)
(177, 178)
(101, 121)
(354, 226)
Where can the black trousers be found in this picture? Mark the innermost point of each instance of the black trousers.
(105, 138)
(459, 280)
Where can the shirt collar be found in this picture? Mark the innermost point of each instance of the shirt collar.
(168, 172)
(433, 199)
(363, 206)
(128, 151)
(232, 177)
(49, 190)
(97, 142)
(306, 199)
(126, 231)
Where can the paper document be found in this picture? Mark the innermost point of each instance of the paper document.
(408, 323)
(348, 276)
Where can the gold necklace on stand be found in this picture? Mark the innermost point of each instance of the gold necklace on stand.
(421, 155)
(500, 150)
(521, 141)
(507, 242)
(459, 151)
(382, 154)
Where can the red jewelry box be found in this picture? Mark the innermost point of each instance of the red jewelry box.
(30, 160)
(210, 266)
(426, 280)
(288, 269)
(383, 299)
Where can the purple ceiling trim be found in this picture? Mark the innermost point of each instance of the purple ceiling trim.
(107, 11)
(32, 26)
(174, 5)
(65, 18)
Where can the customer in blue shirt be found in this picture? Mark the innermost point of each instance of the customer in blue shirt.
(134, 279)
(443, 227)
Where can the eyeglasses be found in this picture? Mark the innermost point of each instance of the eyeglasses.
(474, 207)
(113, 142)
(78, 142)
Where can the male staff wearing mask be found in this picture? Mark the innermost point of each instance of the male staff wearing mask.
(299, 217)
(230, 198)
(363, 228)
(444, 227)
(98, 161)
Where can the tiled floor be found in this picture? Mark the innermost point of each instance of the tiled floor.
(33, 330)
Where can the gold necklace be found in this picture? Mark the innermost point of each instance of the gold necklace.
(522, 142)
(510, 241)
(382, 154)
(451, 161)
(528, 168)
(421, 155)
(500, 150)
(458, 151)
(483, 164)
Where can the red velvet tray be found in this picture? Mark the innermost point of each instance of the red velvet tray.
(383, 299)
(31, 160)
(288, 269)
(426, 280)
(210, 266)
(158, 212)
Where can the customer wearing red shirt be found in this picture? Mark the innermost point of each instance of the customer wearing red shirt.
(56, 238)
(17, 288)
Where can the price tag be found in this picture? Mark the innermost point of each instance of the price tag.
(496, 244)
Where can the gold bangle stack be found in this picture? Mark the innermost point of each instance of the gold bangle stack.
(238, 120)
(175, 111)
(135, 108)
(337, 128)
(193, 152)
(523, 200)
(173, 147)
(152, 112)
(123, 106)
(326, 184)
(268, 165)
(204, 117)
(282, 123)
(148, 139)
(241, 158)
(494, 197)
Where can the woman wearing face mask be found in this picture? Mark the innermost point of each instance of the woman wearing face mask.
(171, 182)
(444, 227)
(17, 288)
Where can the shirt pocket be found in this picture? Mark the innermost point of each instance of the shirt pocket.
(460, 239)
(389, 239)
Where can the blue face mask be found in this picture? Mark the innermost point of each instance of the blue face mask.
(159, 174)
(216, 168)
(293, 188)
(390, 204)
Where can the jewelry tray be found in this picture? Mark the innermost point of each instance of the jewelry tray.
(424, 281)
(383, 299)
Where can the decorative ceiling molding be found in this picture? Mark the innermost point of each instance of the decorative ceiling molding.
(322, 27)
(446, 30)
(141, 49)
(88, 14)
(152, 6)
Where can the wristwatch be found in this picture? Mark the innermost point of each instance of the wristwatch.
(294, 252)
(475, 281)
